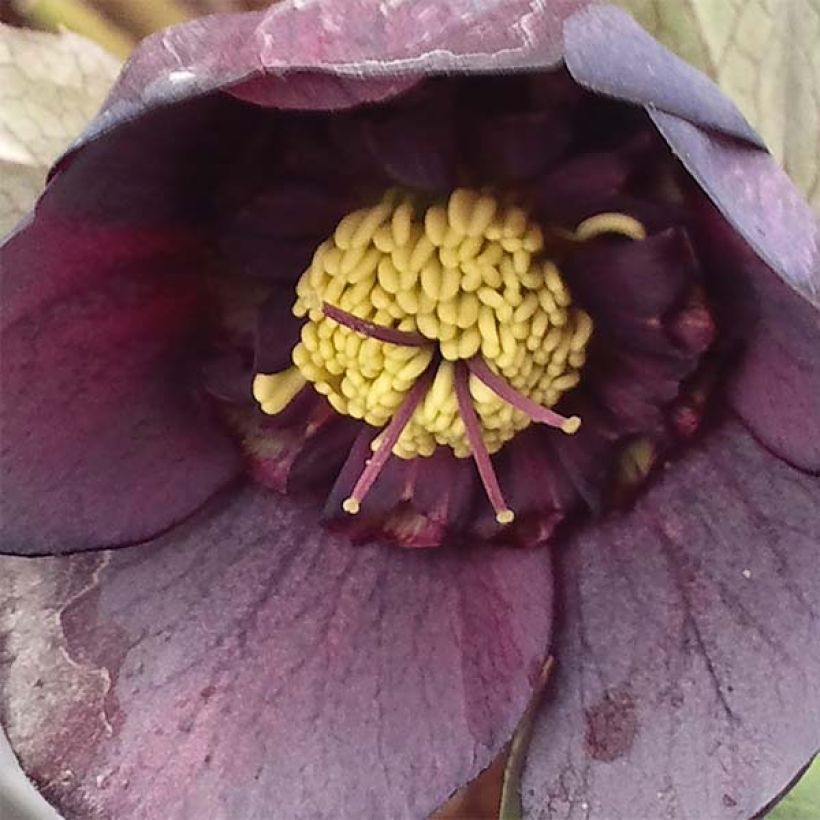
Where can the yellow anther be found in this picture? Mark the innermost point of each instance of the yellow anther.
(583, 331)
(527, 308)
(366, 266)
(505, 517)
(332, 260)
(469, 248)
(442, 387)
(450, 284)
(520, 330)
(508, 341)
(347, 227)
(408, 279)
(401, 223)
(388, 275)
(636, 460)
(428, 325)
(431, 279)
(275, 391)
(467, 314)
(334, 290)
(469, 343)
(447, 331)
(533, 239)
(408, 301)
(426, 303)
(435, 224)
(473, 277)
(515, 223)
(531, 279)
(492, 254)
(381, 299)
(491, 276)
(460, 210)
(317, 265)
(452, 239)
(365, 229)
(449, 257)
(467, 275)
(383, 239)
(552, 277)
(358, 293)
(482, 215)
(610, 223)
(521, 261)
(422, 251)
(401, 257)
(416, 366)
(490, 297)
(449, 350)
(547, 301)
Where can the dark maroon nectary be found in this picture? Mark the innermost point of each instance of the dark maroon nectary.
(266, 645)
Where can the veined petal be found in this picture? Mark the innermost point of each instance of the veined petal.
(610, 54)
(253, 660)
(756, 197)
(323, 56)
(689, 649)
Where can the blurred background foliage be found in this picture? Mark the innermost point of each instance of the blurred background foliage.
(115, 24)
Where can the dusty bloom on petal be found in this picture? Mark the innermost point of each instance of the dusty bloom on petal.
(321, 284)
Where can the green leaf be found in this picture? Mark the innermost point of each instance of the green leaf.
(510, 805)
(803, 801)
(765, 54)
(50, 86)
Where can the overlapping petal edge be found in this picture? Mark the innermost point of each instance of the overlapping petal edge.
(127, 703)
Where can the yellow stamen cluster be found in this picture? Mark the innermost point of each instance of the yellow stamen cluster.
(471, 276)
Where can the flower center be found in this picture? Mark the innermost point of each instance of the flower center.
(446, 324)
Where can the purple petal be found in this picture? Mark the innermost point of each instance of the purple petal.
(578, 187)
(254, 661)
(630, 287)
(277, 333)
(520, 146)
(324, 55)
(776, 386)
(609, 53)
(358, 40)
(688, 666)
(755, 196)
(102, 442)
(315, 91)
(418, 151)
(778, 382)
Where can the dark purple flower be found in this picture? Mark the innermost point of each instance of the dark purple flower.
(618, 231)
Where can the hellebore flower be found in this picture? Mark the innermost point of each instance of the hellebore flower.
(561, 274)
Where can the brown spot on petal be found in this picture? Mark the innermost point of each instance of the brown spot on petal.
(611, 726)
